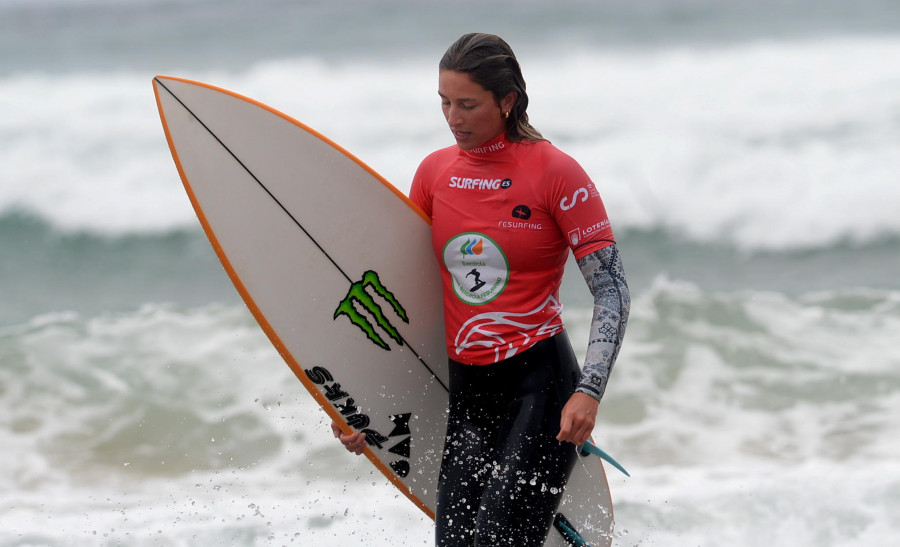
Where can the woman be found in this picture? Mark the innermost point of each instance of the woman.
(506, 207)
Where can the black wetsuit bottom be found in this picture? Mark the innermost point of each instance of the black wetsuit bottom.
(503, 471)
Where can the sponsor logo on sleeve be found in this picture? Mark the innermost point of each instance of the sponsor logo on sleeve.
(598, 227)
(580, 196)
(578, 235)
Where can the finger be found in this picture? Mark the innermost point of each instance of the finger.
(564, 430)
(358, 444)
(576, 433)
(582, 437)
(586, 434)
(354, 441)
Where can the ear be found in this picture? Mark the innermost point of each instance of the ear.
(508, 102)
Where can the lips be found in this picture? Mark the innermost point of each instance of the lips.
(462, 136)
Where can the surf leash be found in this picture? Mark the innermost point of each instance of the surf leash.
(590, 448)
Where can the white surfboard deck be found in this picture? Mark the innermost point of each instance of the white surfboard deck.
(337, 267)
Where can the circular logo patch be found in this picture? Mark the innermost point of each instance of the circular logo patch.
(478, 267)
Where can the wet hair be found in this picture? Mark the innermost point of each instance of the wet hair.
(491, 63)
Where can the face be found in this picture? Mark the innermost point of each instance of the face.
(472, 113)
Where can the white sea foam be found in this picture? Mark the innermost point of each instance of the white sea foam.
(767, 144)
(183, 425)
(771, 145)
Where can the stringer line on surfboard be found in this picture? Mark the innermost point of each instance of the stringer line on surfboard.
(292, 217)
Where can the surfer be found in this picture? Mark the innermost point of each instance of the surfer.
(478, 282)
(518, 400)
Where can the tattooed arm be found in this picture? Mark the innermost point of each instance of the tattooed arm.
(606, 279)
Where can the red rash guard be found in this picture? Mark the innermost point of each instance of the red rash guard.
(504, 216)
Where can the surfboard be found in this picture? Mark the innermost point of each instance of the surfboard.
(337, 267)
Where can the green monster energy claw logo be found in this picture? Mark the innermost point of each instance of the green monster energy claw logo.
(358, 294)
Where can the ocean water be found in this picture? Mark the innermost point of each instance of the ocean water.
(748, 153)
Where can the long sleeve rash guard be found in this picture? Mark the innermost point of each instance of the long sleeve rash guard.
(504, 217)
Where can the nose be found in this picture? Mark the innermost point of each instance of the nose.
(453, 115)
